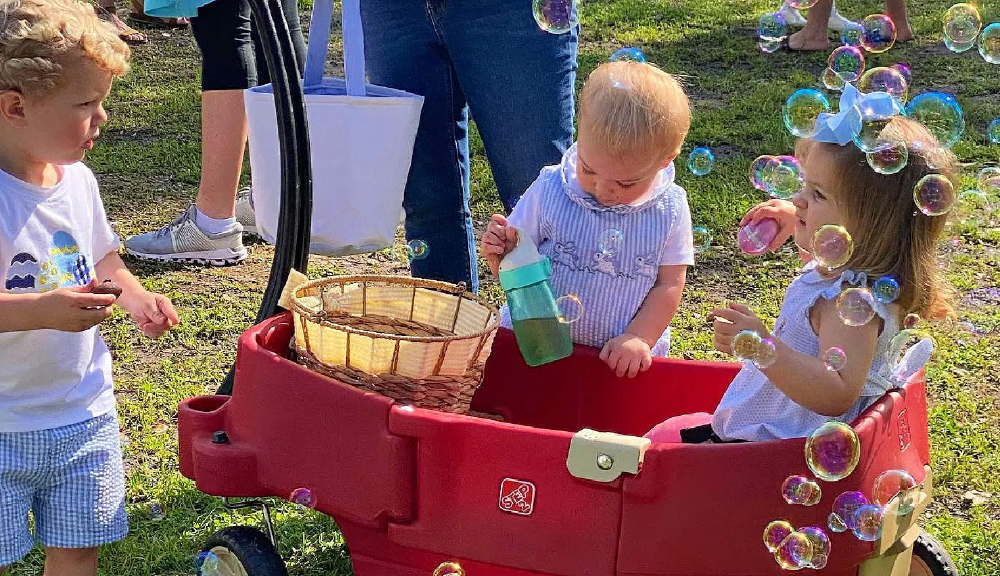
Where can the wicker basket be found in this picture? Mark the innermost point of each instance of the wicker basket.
(417, 341)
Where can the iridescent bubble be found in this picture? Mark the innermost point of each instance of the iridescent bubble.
(867, 523)
(628, 54)
(934, 195)
(820, 545)
(911, 320)
(988, 180)
(878, 33)
(757, 171)
(745, 345)
(835, 523)
(941, 114)
(207, 563)
(832, 246)
(570, 308)
(701, 161)
(702, 239)
(610, 241)
(775, 533)
(832, 451)
(873, 122)
(901, 344)
(989, 46)
(962, 23)
(883, 79)
(449, 569)
(767, 353)
(772, 27)
(851, 34)
(801, 110)
(769, 46)
(898, 485)
(418, 249)
(795, 552)
(831, 80)
(958, 46)
(856, 306)
(886, 289)
(972, 209)
(888, 157)
(783, 177)
(848, 62)
(156, 511)
(801, 491)
(303, 497)
(904, 69)
(845, 505)
(556, 16)
(993, 132)
(834, 358)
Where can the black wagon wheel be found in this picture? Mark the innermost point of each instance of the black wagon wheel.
(240, 551)
(930, 558)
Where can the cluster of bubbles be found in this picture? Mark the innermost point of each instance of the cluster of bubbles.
(556, 16)
(570, 308)
(701, 161)
(772, 29)
(780, 176)
(749, 346)
(963, 26)
(801, 491)
(807, 547)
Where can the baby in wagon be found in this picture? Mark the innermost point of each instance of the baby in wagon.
(611, 218)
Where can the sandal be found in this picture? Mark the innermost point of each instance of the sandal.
(139, 15)
(128, 34)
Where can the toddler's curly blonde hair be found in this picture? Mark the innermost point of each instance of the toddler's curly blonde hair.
(42, 40)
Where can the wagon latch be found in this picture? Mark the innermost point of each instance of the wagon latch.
(604, 456)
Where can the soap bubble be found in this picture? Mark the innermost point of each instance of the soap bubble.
(775, 533)
(886, 289)
(156, 511)
(911, 320)
(820, 545)
(888, 157)
(303, 497)
(556, 16)
(934, 195)
(988, 180)
(783, 177)
(884, 79)
(757, 171)
(941, 114)
(989, 46)
(868, 523)
(801, 491)
(832, 451)
(962, 24)
(834, 358)
(832, 246)
(208, 563)
(901, 343)
(801, 110)
(898, 485)
(628, 54)
(972, 209)
(610, 241)
(701, 161)
(993, 132)
(957, 46)
(845, 505)
(878, 33)
(772, 27)
(904, 69)
(449, 569)
(835, 523)
(767, 353)
(856, 306)
(831, 80)
(873, 122)
(570, 308)
(702, 239)
(745, 345)
(851, 34)
(418, 249)
(848, 62)
(769, 46)
(795, 552)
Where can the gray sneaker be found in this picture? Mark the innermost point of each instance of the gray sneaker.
(244, 212)
(183, 241)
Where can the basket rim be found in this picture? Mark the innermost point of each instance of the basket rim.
(458, 290)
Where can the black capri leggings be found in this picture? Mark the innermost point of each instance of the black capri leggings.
(231, 55)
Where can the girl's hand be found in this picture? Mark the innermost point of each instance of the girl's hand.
(154, 313)
(498, 240)
(74, 309)
(627, 354)
(730, 321)
(782, 211)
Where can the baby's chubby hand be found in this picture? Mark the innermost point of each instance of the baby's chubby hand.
(498, 240)
(730, 321)
(627, 355)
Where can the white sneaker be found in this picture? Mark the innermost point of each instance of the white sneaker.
(244, 212)
(792, 16)
(837, 22)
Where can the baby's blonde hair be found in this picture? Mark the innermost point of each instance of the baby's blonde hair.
(632, 107)
(41, 40)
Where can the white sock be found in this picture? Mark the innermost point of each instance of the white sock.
(213, 226)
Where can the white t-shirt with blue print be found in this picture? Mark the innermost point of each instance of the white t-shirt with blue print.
(566, 224)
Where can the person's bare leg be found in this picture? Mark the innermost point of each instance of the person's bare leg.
(897, 11)
(815, 35)
(70, 562)
(223, 140)
(106, 10)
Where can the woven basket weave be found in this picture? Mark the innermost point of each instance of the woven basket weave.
(420, 342)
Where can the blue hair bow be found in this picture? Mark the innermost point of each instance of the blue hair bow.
(855, 108)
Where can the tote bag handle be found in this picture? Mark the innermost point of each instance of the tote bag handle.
(354, 45)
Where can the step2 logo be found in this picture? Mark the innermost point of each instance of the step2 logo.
(517, 496)
(904, 431)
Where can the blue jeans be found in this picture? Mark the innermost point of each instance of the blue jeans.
(484, 56)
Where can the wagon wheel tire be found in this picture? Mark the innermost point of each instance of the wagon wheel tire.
(930, 558)
(242, 551)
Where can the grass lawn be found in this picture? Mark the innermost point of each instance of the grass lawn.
(148, 164)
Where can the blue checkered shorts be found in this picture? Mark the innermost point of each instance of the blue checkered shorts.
(73, 481)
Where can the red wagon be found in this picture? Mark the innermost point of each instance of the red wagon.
(417, 492)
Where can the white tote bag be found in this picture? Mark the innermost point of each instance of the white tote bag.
(361, 138)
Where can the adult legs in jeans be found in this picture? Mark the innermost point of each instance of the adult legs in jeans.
(487, 55)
